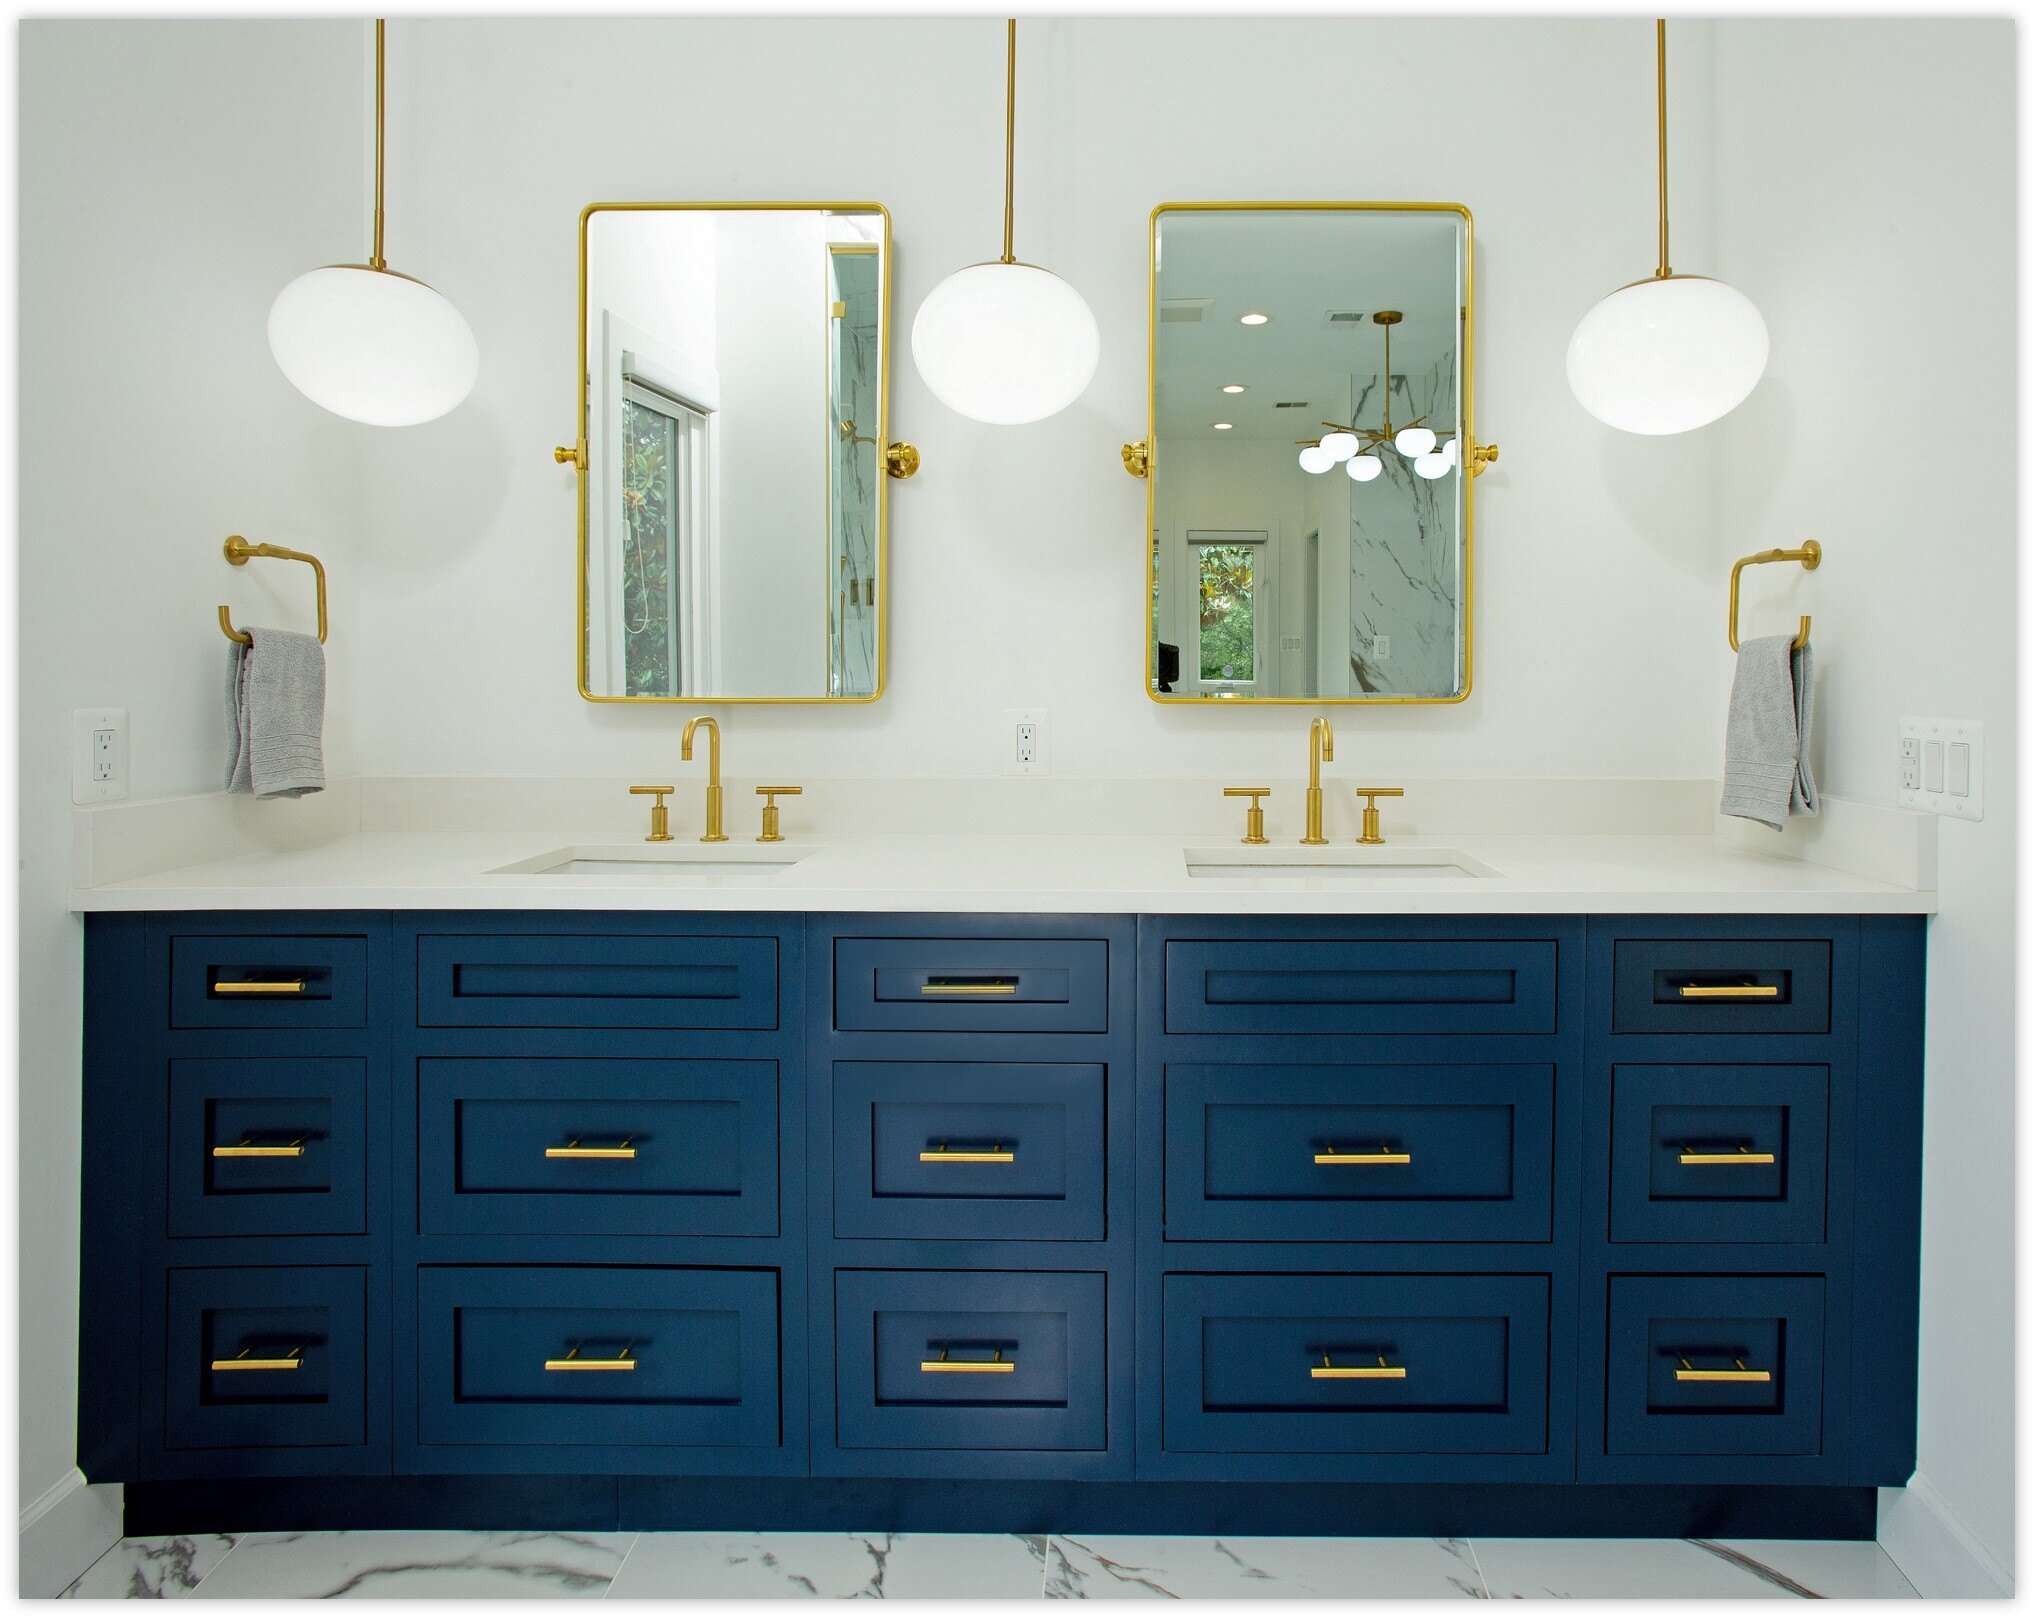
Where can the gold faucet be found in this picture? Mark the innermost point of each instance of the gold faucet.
(714, 833)
(1320, 745)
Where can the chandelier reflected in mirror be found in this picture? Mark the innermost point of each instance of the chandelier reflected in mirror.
(1356, 449)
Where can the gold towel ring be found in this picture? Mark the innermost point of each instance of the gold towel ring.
(238, 550)
(1809, 556)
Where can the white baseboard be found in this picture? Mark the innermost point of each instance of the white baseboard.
(1930, 1545)
(64, 1530)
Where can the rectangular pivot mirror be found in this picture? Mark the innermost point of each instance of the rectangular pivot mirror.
(733, 416)
(1309, 505)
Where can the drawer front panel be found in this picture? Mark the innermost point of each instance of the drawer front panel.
(1719, 1153)
(1342, 1364)
(598, 1146)
(1008, 1151)
(896, 1326)
(583, 981)
(1264, 1152)
(1369, 986)
(1032, 985)
(268, 1146)
(1721, 986)
(598, 1356)
(268, 981)
(1714, 1365)
(266, 1358)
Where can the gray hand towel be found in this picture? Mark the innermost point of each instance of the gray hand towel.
(275, 706)
(1765, 747)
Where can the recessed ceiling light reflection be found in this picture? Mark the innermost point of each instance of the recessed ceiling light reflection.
(1232, 387)
(1253, 319)
(1223, 426)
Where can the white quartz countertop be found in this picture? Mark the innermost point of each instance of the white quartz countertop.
(1063, 873)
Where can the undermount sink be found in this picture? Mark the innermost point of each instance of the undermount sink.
(667, 860)
(1298, 865)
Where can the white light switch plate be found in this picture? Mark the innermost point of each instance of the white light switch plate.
(1028, 735)
(1942, 767)
(98, 754)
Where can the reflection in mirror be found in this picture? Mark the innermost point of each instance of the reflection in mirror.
(734, 497)
(1309, 503)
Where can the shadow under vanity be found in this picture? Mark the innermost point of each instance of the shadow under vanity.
(649, 1220)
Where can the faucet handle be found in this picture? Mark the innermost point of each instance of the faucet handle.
(660, 817)
(1253, 823)
(772, 832)
(1372, 821)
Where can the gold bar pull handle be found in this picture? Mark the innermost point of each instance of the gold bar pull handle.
(1329, 1371)
(944, 1153)
(1684, 1372)
(622, 1152)
(247, 1360)
(1728, 991)
(1380, 1155)
(1694, 1155)
(277, 986)
(968, 986)
(247, 1148)
(624, 1361)
(996, 1365)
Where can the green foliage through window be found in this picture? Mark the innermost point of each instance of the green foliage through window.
(1228, 612)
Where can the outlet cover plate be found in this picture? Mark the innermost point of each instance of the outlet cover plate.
(1940, 756)
(1039, 761)
(98, 754)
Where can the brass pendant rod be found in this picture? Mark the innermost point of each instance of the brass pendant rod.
(1009, 138)
(1387, 382)
(380, 128)
(1660, 54)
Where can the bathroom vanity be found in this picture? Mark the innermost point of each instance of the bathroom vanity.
(1538, 1222)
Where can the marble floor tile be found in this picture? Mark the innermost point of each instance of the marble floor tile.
(419, 1563)
(1648, 1569)
(1837, 1568)
(1083, 1566)
(166, 1565)
(950, 1566)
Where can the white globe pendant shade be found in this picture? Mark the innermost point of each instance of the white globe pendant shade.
(1432, 465)
(1340, 445)
(1363, 468)
(372, 345)
(1316, 458)
(1005, 343)
(1413, 442)
(1667, 355)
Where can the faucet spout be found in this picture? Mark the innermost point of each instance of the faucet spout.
(1320, 745)
(715, 831)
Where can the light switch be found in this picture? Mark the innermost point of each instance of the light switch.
(1959, 769)
(1931, 766)
(1942, 767)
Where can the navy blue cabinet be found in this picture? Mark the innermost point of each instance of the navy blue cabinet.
(1031, 1201)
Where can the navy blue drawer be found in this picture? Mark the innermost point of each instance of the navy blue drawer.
(1341, 1364)
(1721, 986)
(1714, 1365)
(266, 1358)
(583, 980)
(268, 981)
(1031, 985)
(268, 1146)
(1718, 1153)
(1366, 986)
(584, 1146)
(1005, 1151)
(897, 1329)
(1262, 1152)
(604, 1356)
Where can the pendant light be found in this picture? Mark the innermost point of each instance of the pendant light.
(1006, 342)
(365, 342)
(1355, 449)
(1673, 352)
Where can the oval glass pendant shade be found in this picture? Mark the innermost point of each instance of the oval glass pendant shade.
(1005, 343)
(1667, 355)
(372, 345)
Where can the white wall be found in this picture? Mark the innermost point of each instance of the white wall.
(173, 177)
(1876, 233)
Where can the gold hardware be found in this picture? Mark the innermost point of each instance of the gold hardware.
(1660, 75)
(1685, 1372)
(1372, 822)
(572, 455)
(245, 1361)
(714, 832)
(772, 826)
(902, 460)
(261, 986)
(944, 1364)
(1482, 457)
(239, 551)
(1328, 1370)
(946, 1154)
(247, 1148)
(1137, 458)
(948, 986)
(837, 310)
(1320, 745)
(1744, 1154)
(625, 1152)
(1383, 1154)
(1728, 991)
(1809, 556)
(624, 1361)
(660, 816)
(1009, 139)
(1253, 819)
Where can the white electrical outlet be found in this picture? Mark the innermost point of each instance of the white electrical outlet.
(1380, 648)
(1942, 767)
(1030, 742)
(98, 754)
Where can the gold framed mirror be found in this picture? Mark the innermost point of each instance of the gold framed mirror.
(1310, 456)
(733, 452)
